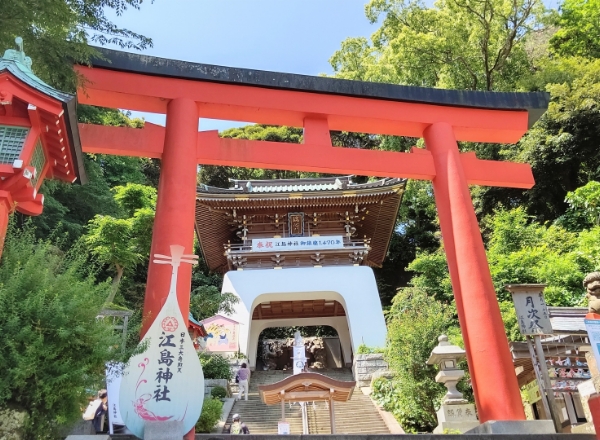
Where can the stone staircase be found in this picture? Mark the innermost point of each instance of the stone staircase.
(357, 416)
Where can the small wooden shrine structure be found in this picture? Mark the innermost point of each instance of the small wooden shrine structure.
(307, 387)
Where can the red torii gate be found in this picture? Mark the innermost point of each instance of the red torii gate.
(187, 91)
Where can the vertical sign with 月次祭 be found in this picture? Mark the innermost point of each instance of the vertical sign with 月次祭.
(165, 381)
(532, 312)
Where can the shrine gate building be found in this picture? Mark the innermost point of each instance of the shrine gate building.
(325, 234)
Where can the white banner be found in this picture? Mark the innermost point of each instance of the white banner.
(113, 383)
(299, 358)
(532, 313)
(297, 243)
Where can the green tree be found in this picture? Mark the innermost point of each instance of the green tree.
(462, 44)
(122, 243)
(111, 241)
(207, 301)
(54, 350)
(561, 147)
(585, 202)
(578, 33)
(58, 33)
(211, 413)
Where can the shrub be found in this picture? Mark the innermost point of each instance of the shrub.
(211, 413)
(218, 392)
(415, 321)
(53, 350)
(215, 366)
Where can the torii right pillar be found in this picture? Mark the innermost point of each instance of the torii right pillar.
(493, 376)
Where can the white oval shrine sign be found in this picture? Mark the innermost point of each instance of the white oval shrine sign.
(165, 382)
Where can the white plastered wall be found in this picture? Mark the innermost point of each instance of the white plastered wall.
(353, 286)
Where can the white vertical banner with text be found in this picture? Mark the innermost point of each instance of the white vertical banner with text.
(299, 358)
(114, 373)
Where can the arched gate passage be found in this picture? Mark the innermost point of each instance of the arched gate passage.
(352, 287)
(321, 316)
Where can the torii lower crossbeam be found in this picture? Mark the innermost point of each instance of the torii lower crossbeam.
(187, 91)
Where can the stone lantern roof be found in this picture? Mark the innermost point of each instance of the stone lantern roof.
(445, 351)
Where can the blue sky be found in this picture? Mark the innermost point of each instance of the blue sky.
(280, 35)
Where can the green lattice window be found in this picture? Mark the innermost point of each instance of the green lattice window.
(38, 160)
(12, 140)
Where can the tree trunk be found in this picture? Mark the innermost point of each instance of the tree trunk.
(115, 285)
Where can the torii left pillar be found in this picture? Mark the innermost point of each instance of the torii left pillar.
(175, 206)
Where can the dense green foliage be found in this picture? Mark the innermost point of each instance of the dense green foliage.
(122, 243)
(208, 300)
(215, 366)
(59, 32)
(461, 44)
(415, 321)
(54, 350)
(578, 31)
(218, 392)
(211, 413)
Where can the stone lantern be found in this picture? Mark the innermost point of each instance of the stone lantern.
(455, 413)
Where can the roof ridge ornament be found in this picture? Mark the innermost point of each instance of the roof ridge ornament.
(18, 55)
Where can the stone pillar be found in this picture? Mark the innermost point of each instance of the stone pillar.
(175, 209)
(494, 381)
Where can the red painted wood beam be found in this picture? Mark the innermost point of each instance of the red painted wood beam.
(123, 141)
(135, 91)
(213, 150)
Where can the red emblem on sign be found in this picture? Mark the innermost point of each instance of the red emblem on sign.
(170, 324)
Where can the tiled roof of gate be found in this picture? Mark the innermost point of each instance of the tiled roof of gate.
(344, 183)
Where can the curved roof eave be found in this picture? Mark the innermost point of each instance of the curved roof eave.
(69, 105)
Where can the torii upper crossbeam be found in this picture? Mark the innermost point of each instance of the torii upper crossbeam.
(187, 91)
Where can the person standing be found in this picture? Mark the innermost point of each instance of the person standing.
(243, 375)
(101, 412)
